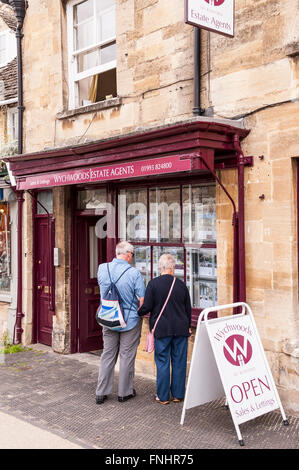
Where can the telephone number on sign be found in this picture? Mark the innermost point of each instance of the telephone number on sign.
(157, 166)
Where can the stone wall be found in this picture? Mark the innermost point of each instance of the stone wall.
(253, 76)
(155, 86)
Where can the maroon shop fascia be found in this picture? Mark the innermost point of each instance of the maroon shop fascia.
(186, 153)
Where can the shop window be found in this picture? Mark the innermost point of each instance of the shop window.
(92, 51)
(180, 220)
(132, 209)
(5, 264)
(165, 215)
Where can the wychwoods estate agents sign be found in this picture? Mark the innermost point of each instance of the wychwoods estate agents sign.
(228, 359)
(213, 15)
(241, 362)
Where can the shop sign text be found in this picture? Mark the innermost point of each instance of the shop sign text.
(139, 168)
(246, 379)
(213, 15)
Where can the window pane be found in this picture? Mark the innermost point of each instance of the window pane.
(88, 60)
(83, 11)
(142, 261)
(165, 215)
(4, 249)
(133, 214)
(91, 198)
(199, 213)
(201, 266)
(84, 35)
(46, 199)
(108, 53)
(104, 5)
(106, 29)
(176, 252)
(12, 124)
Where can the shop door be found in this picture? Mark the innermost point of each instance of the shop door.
(44, 280)
(91, 252)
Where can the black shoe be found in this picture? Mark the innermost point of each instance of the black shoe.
(122, 399)
(100, 399)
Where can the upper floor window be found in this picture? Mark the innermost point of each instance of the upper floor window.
(8, 49)
(91, 51)
(12, 124)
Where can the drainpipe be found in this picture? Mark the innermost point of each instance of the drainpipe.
(18, 330)
(19, 7)
(197, 110)
(241, 214)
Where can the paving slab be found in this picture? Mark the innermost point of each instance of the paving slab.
(56, 393)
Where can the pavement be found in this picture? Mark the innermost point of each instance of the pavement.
(47, 401)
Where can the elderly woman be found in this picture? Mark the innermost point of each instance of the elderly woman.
(172, 331)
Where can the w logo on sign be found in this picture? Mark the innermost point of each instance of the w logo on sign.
(237, 350)
(215, 3)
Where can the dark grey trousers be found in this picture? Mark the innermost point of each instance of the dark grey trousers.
(123, 344)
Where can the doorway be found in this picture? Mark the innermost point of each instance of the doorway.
(44, 278)
(91, 251)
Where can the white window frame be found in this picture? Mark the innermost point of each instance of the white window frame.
(10, 46)
(74, 76)
(12, 113)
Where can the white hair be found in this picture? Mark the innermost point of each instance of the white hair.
(124, 247)
(166, 262)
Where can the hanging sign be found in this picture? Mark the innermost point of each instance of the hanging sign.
(132, 169)
(242, 367)
(213, 15)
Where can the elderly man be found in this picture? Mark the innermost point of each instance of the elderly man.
(125, 342)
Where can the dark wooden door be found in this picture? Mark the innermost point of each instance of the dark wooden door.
(91, 252)
(44, 280)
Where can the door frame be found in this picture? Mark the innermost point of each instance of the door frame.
(51, 221)
(74, 323)
(110, 250)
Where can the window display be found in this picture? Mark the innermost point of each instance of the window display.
(180, 220)
(165, 214)
(5, 267)
(202, 276)
(132, 209)
(142, 261)
(199, 213)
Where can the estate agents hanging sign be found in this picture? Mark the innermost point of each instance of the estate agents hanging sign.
(213, 15)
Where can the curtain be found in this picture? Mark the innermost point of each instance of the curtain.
(94, 89)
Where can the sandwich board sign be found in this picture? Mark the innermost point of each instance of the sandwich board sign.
(213, 15)
(228, 360)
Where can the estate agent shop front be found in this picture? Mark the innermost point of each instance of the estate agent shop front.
(156, 189)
